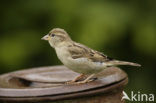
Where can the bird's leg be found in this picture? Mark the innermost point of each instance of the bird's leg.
(88, 79)
(76, 79)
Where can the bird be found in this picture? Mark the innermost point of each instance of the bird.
(80, 58)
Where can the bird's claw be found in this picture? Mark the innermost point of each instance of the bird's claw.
(70, 82)
(79, 82)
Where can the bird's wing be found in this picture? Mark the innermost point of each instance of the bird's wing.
(80, 51)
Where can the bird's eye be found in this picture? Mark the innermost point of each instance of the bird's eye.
(53, 35)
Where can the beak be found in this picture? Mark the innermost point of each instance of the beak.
(46, 37)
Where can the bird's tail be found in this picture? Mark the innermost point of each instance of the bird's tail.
(116, 62)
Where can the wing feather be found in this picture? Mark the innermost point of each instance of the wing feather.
(80, 51)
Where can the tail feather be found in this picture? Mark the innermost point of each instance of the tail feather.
(116, 62)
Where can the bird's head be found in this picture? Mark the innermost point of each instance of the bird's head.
(56, 37)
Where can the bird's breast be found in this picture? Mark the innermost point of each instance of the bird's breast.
(62, 54)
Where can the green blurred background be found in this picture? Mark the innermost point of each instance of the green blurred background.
(124, 30)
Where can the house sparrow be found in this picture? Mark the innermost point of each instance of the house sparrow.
(78, 57)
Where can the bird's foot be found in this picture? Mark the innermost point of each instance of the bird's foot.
(70, 82)
(88, 79)
(84, 81)
(78, 78)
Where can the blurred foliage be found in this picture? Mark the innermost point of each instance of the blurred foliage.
(125, 30)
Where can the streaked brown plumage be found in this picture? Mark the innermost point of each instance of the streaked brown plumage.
(78, 57)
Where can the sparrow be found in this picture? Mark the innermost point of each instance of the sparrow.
(78, 57)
